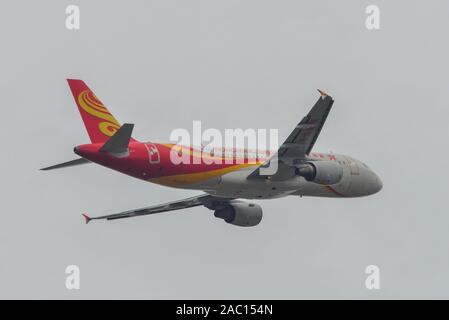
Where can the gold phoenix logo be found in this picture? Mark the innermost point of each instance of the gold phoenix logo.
(90, 103)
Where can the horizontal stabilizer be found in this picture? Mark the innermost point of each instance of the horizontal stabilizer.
(72, 163)
(117, 145)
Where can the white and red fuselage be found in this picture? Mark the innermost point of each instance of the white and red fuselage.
(152, 162)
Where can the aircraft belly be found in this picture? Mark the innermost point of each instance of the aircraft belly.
(237, 185)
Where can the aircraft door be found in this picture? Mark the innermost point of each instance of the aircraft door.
(353, 167)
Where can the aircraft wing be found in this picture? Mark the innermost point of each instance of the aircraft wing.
(301, 140)
(207, 200)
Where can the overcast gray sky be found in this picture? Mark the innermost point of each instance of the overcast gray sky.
(248, 64)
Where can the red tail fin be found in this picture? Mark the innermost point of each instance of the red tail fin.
(99, 122)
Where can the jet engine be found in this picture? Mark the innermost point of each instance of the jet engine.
(321, 172)
(241, 214)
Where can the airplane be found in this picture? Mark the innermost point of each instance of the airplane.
(226, 185)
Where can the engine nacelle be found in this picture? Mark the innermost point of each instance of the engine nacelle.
(321, 172)
(241, 214)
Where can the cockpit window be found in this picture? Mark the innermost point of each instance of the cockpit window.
(363, 164)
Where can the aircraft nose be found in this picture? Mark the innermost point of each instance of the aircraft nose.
(379, 183)
(375, 184)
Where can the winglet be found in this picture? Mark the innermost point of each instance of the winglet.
(86, 217)
(322, 93)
